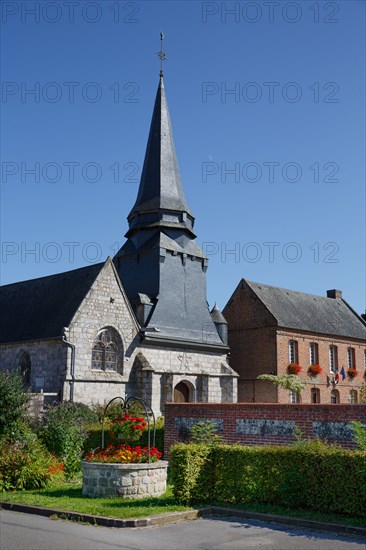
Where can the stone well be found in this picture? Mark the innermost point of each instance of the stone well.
(130, 481)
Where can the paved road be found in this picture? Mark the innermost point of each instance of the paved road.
(29, 532)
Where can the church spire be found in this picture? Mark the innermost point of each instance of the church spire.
(160, 197)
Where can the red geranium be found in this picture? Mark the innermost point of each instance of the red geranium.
(293, 368)
(352, 373)
(124, 454)
(128, 429)
(314, 370)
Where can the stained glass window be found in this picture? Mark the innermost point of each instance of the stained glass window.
(107, 351)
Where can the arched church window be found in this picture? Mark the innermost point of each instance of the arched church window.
(25, 368)
(107, 352)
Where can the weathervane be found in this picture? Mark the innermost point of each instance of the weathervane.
(161, 54)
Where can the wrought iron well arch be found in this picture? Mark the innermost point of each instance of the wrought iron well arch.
(126, 403)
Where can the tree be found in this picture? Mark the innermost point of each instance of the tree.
(289, 382)
(13, 400)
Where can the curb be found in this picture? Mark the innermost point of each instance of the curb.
(162, 519)
(174, 517)
(287, 520)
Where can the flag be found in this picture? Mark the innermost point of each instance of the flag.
(343, 374)
(336, 378)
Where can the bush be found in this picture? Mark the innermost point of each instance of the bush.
(204, 431)
(25, 463)
(13, 400)
(359, 434)
(64, 431)
(314, 476)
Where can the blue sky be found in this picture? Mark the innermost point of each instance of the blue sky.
(267, 106)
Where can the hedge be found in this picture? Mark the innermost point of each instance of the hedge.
(315, 476)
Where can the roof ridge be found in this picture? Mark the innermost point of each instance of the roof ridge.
(290, 290)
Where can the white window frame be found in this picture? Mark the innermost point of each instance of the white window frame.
(353, 397)
(351, 358)
(333, 359)
(294, 397)
(292, 351)
(313, 353)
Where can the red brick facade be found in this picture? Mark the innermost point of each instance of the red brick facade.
(259, 346)
(265, 424)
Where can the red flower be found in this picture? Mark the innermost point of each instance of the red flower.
(352, 373)
(293, 368)
(314, 370)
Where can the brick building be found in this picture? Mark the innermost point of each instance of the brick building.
(270, 327)
(135, 325)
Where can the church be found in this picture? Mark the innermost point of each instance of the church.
(137, 324)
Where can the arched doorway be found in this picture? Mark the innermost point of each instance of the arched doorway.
(181, 393)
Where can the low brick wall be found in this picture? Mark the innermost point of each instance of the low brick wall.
(125, 480)
(264, 424)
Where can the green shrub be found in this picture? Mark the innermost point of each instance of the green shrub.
(359, 434)
(191, 469)
(204, 432)
(13, 400)
(25, 463)
(64, 432)
(314, 476)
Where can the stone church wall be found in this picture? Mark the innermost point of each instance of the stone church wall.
(104, 306)
(48, 363)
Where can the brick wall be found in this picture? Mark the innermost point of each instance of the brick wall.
(259, 346)
(264, 423)
(322, 382)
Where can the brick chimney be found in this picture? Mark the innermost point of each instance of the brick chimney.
(334, 293)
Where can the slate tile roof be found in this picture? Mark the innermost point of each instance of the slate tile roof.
(308, 312)
(40, 308)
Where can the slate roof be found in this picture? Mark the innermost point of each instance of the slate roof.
(308, 312)
(40, 308)
(160, 185)
(217, 316)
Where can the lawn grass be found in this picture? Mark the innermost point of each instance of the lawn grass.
(67, 496)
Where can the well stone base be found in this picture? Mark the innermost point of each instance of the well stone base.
(130, 481)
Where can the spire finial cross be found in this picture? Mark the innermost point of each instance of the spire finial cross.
(161, 54)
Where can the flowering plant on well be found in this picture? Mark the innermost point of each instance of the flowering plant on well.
(314, 370)
(128, 429)
(352, 373)
(293, 368)
(124, 454)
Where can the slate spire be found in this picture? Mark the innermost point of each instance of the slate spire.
(160, 196)
(162, 268)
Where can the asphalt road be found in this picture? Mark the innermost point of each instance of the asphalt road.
(30, 532)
